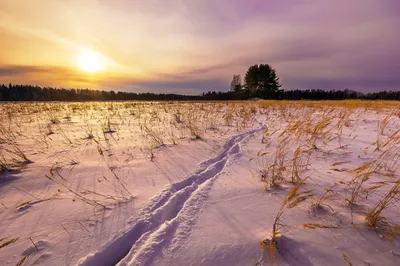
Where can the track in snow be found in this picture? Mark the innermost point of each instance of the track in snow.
(168, 216)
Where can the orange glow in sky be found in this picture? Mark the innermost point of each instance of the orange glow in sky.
(186, 46)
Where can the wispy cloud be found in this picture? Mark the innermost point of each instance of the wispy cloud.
(199, 45)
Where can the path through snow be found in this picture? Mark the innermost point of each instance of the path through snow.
(169, 215)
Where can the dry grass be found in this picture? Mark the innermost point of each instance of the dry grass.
(347, 259)
(374, 217)
(270, 246)
(361, 175)
(4, 242)
(306, 130)
(348, 104)
(315, 225)
(297, 134)
(320, 203)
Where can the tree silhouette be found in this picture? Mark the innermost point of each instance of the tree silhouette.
(262, 81)
(236, 84)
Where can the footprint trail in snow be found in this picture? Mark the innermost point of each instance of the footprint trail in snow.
(168, 217)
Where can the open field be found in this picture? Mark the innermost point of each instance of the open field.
(200, 183)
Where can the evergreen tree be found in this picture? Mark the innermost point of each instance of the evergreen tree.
(262, 81)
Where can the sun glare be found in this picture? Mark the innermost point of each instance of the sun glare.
(90, 61)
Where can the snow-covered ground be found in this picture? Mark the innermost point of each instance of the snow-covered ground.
(183, 183)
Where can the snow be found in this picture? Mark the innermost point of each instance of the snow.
(130, 196)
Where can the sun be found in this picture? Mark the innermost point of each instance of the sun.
(90, 61)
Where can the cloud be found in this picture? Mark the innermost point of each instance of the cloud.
(21, 71)
(7, 71)
(70, 78)
(199, 45)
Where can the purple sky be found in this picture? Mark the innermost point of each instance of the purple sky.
(189, 46)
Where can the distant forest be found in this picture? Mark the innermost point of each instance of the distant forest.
(36, 93)
(261, 81)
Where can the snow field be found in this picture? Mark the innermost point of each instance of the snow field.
(184, 183)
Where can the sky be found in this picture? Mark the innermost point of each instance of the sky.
(193, 46)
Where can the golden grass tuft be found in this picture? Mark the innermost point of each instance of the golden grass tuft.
(347, 259)
(374, 216)
(269, 246)
(7, 242)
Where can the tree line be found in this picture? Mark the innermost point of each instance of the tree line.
(36, 93)
(261, 81)
(314, 94)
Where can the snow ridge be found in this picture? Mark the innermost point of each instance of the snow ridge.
(173, 208)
